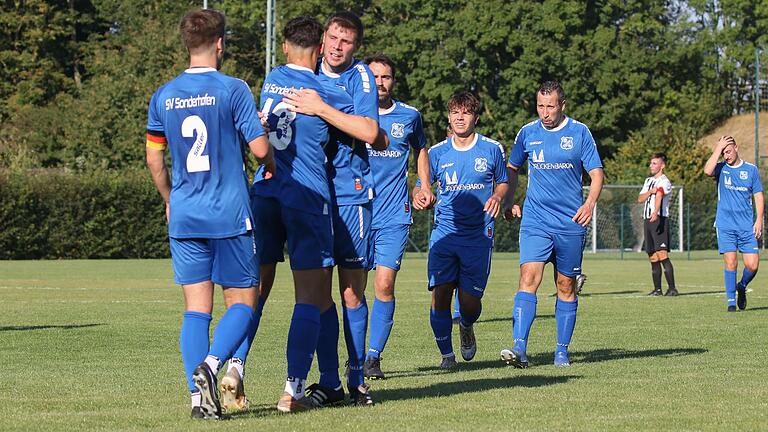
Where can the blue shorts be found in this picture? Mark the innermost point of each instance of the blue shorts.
(731, 240)
(351, 231)
(563, 250)
(230, 262)
(309, 236)
(387, 246)
(468, 266)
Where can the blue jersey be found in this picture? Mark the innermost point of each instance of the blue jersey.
(465, 180)
(205, 117)
(390, 167)
(555, 160)
(735, 186)
(351, 92)
(301, 180)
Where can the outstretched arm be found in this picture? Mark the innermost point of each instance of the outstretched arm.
(366, 129)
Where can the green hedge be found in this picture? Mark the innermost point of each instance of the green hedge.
(54, 214)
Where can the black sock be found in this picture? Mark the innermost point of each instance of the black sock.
(656, 275)
(669, 273)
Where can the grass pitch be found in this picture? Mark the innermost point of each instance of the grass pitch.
(93, 345)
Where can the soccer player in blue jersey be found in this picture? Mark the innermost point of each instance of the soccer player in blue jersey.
(293, 207)
(554, 217)
(391, 209)
(738, 225)
(471, 182)
(205, 117)
(353, 111)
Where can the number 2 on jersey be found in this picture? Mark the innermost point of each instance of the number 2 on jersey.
(280, 137)
(196, 160)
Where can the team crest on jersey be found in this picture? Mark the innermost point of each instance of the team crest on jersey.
(743, 175)
(481, 164)
(398, 130)
(566, 143)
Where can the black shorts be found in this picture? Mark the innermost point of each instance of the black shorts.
(656, 235)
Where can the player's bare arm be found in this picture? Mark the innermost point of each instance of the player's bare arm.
(657, 204)
(420, 202)
(159, 171)
(493, 205)
(644, 196)
(309, 102)
(422, 169)
(583, 215)
(511, 209)
(724, 141)
(263, 152)
(757, 228)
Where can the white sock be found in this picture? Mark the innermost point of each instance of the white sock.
(195, 398)
(213, 363)
(238, 365)
(295, 387)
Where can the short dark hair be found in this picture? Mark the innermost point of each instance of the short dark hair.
(383, 59)
(348, 20)
(201, 28)
(303, 31)
(549, 87)
(466, 100)
(660, 155)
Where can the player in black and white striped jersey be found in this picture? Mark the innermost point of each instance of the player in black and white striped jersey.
(655, 196)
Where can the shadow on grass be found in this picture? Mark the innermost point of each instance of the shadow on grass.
(471, 386)
(591, 294)
(687, 293)
(435, 390)
(48, 327)
(508, 319)
(749, 309)
(610, 354)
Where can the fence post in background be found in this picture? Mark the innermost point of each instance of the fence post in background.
(621, 233)
(680, 219)
(688, 228)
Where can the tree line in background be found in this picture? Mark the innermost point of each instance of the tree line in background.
(645, 75)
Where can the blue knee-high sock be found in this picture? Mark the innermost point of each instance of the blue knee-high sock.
(456, 306)
(730, 287)
(746, 277)
(565, 318)
(355, 328)
(302, 339)
(328, 348)
(523, 314)
(242, 351)
(382, 320)
(442, 325)
(230, 331)
(467, 318)
(193, 342)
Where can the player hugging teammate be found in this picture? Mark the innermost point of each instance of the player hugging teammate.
(332, 187)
